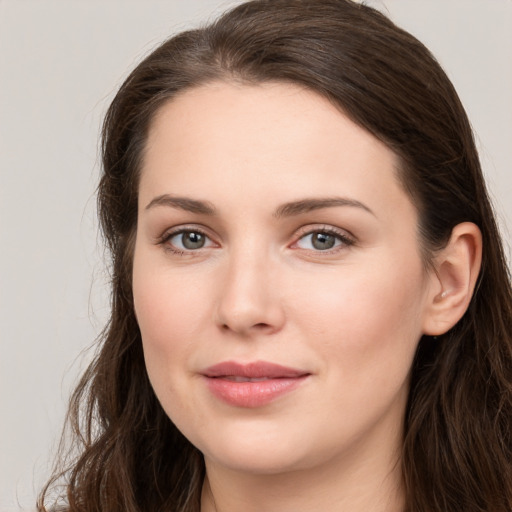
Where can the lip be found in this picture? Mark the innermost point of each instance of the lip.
(253, 384)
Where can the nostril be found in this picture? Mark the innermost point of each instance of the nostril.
(262, 326)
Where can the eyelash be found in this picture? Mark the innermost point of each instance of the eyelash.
(342, 236)
(164, 240)
(345, 239)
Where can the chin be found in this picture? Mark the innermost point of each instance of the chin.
(260, 451)
(254, 461)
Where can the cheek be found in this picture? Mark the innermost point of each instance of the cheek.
(367, 323)
(167, 310)
(167, 301)
(167, 313)
(365, 330)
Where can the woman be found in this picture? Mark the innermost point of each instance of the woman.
(311, 308)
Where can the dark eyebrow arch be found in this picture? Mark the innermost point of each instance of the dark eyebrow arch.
(183, 203)
(308, 205)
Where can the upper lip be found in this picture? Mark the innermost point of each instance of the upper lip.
(253, 370)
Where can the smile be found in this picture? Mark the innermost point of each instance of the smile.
(245, 379)
(251, 385)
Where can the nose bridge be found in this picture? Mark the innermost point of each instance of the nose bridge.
(248, 299)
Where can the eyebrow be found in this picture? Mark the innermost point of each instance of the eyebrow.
(183, 203)
(286, 210)
(308, 205)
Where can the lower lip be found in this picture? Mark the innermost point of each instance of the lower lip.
(252, 394)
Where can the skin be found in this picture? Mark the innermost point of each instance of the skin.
(259, 290)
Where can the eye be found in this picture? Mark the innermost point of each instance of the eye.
(187, 240)
(323, 240)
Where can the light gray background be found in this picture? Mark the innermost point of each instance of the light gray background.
(60, 63)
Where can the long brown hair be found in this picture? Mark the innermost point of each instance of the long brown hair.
(457, 451)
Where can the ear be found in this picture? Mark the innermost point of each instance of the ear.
(456, 269)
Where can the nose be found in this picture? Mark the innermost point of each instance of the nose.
(250, 300)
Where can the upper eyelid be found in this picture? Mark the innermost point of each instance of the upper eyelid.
(170, 232)
(345, 237)
(311, 228)
(165, 240)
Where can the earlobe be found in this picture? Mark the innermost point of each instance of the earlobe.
(456, 272)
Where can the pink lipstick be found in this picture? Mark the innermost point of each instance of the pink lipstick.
(253, 384)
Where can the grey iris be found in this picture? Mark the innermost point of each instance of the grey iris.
(323, 241)
(192, 240)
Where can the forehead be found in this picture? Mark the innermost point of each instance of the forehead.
(274, 141)
(236, 113)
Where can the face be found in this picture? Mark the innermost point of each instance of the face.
(277, 278)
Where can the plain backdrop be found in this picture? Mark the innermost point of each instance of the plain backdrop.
(60, 64)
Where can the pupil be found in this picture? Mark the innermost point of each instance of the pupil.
(193, 240)
(323, 241)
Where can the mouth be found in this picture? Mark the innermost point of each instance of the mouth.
(234, 378)
(252, 385)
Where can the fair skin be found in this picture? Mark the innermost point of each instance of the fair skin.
(272, 228)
